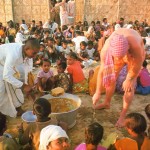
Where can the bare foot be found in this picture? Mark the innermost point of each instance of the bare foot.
(102, 106)
(120, 122)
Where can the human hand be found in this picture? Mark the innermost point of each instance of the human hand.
(95, 98)
(128, 85)
(26, 88)
(41, 89)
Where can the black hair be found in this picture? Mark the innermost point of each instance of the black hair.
(147, 110)
(144, 41)
(63, 65)
(32, 43)
(73, 55)
(78, 32)
(144, 63)
(49, 39)
(136, 122)
(83, 43)
(121, 19)
(90, 43)
(94, 133)
(45, 60)
(11, 38)
(104, 19)
(46, 31)
(33, 21)
(64, 41)
(23, 21)
(2, 122)
(42, 107)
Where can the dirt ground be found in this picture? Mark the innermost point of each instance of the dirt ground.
(106, 117)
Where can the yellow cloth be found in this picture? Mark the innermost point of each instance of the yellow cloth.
(93, 82)
(130, 144)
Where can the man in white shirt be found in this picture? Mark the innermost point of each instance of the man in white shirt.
(78, 39)
(12, 55)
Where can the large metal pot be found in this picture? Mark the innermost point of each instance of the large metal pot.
(70, 116)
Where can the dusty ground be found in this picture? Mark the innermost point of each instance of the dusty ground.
(107, 118)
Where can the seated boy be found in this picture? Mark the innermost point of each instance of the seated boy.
(42, 109)
(135, 124)
(61, 79)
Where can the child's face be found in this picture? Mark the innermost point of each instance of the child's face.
(41, 48)
(70, 60)
(50, 43)
(90, 46)
(82, 47)
(64, 45)
(60, 69)
(46, 66)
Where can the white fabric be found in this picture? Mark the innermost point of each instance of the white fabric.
(46, 25)
(91, 52)
(20, 38)
(129, 26)
(77, 40)
(50, 133)
(117, 26)
(10, 96)
(24, 26)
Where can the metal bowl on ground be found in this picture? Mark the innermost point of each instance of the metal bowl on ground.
(70, 116)
(28, 117)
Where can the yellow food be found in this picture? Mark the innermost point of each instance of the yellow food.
(57, 91)
(60, 105)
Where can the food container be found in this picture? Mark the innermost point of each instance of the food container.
(70, 116)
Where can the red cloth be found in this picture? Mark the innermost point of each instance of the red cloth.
(76, 71)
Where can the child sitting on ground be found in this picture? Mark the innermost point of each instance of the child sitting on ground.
(41, 55)
(93, 136)
(135, 124)
(64, 49)
(75, 71)
(45, 81)
(147, 111)
(90, 49)
(7, 142)
(82, 51)
(31, 135)
(143, 80)
(61, 79)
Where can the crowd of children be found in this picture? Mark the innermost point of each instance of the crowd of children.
(72, 48)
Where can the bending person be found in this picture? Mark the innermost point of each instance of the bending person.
(124, 46)
(12, 55)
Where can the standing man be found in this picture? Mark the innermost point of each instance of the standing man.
(124, 46)
(12, 55)
(63, 12)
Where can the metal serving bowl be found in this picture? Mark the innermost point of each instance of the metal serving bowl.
(70, 116)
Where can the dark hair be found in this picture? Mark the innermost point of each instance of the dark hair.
(78, 32)
(42, 107)
(64, 41)
(104, 19)
(83, 43)
(11, 38)
(32, 43)
(72, 55)
(49, 39)
(144, 63)
(136, 122)
(45, 60)
(90, 43)
(94, 133)
(63, 65)
(23, 21)
(147, 110)
(2, 122)
(46, 31)
(33, 21)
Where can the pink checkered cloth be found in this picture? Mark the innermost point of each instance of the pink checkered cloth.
(118, 48)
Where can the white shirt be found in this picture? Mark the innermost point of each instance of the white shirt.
(77, 40)
(20, 38)
(90, 52)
